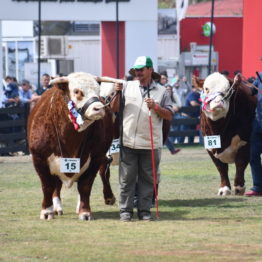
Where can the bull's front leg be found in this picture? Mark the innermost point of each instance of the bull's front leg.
(48, 187)
(57, 203)
(48, 183)
(225, 187)
(104, 171)
(84, 187)
(242, 160)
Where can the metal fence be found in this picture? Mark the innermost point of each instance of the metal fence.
(13, 122)
(191, 122)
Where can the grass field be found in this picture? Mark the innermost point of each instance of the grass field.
(195, 224)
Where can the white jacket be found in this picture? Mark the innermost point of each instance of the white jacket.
(136, 132)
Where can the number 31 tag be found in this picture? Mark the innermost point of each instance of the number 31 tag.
(212, 142)
(70, 165)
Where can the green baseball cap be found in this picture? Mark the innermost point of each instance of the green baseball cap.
(143, 61)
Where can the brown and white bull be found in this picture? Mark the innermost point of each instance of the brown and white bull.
(54, 134)
(227, 111)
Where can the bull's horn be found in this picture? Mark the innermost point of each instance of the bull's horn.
(108, 79)
(59, 80)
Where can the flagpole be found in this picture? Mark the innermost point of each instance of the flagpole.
(211, 37)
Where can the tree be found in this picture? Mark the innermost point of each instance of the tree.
(172, 3)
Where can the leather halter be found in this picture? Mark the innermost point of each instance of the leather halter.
(90, 101)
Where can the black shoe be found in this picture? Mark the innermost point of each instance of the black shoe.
(135, 203)
(145, 216)
(125, 216)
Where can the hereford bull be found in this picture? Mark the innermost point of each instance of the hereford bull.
(228, 110)
(70, 121)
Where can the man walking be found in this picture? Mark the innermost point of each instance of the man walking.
(135, 165)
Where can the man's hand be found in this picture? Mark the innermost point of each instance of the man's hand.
(175, 108)
(150, 103)
(118, 86)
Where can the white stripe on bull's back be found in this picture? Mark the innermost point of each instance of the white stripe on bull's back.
(54, 166)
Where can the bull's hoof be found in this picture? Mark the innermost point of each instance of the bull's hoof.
(110, 201)
(58, 208)
(239, 190)
(86, 217)
(224, 191)
(47, 214)
(59, 212)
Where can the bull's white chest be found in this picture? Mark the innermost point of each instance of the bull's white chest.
(54, 166)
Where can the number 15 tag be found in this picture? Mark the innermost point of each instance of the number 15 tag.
(212, 142)
(70, 165)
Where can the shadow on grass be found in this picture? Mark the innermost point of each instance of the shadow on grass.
(181, 214)
(202, 202)
(176, 215)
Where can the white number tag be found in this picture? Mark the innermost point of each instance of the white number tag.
(115, 146)
(212, 142)
(70, 165)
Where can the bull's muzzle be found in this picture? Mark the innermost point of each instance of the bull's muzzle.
(83, 109)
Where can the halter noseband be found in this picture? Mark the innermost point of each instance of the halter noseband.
(90, 101)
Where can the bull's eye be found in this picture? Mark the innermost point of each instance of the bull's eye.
(78, 93)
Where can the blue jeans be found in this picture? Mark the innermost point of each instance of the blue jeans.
(177, 139)
(255, 159)
(184, 128)
(170, 144)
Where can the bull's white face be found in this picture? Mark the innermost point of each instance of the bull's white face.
(215, 88)
(82, 87)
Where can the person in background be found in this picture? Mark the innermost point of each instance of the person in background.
(41, 89)
(256, 142)
(225, 73)
(11, 93)
(135, 154)
(169, 141)
(182, 88)
(10, 99)
(192, 99)
(237, 72)
(25, 93)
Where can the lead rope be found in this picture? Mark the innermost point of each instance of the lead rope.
(153, 156)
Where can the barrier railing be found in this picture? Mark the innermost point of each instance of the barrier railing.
(189, 121)
(13, 122)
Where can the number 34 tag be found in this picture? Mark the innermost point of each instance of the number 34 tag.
(212, 142)
(70, 165)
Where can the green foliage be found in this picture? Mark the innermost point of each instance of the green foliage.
(195, 224)
(172, 3)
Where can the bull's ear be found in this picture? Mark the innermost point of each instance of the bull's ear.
(60, 80)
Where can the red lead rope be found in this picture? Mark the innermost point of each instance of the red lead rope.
(153, 161)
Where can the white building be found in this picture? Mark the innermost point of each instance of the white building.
(94, 53)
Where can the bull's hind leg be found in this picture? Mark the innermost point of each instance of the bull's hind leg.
(104, 171)
(225, 187)
(48, 187)
(241, 162)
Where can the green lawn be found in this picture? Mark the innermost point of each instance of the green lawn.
(195, 224)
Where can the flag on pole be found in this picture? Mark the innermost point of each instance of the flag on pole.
(181, 7)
